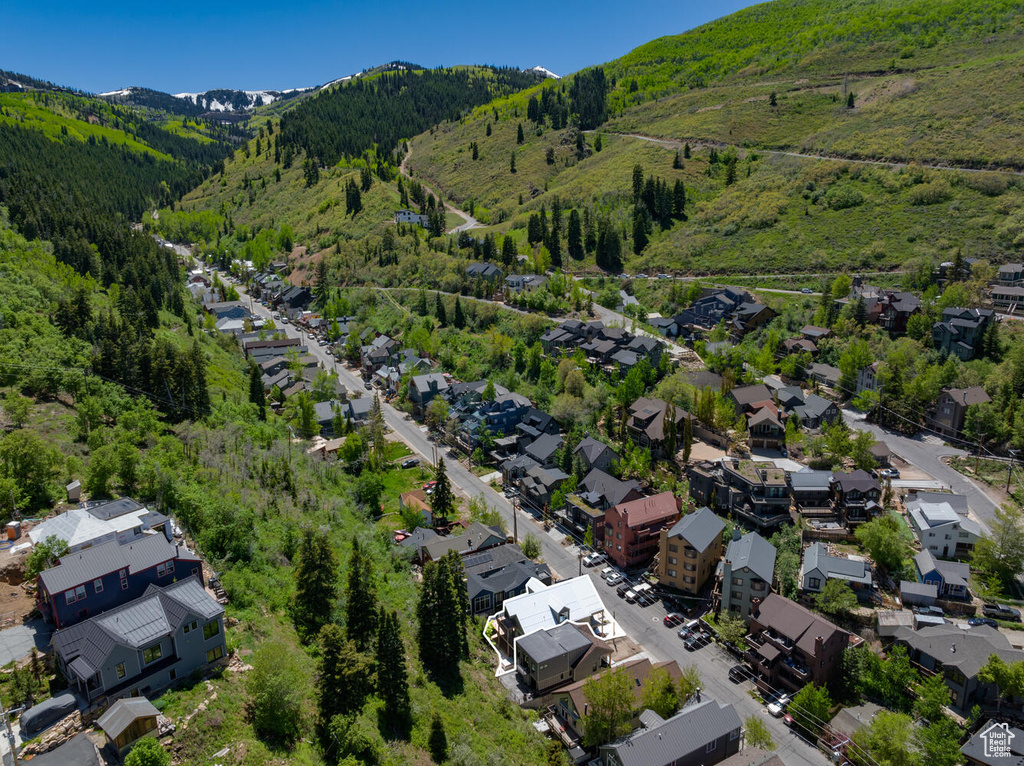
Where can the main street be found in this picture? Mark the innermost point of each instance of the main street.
(643, 625)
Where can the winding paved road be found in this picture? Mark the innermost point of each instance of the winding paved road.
(470, 221)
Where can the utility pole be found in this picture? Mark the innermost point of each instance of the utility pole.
(1009, 469)
(515, 520)
(977, 457)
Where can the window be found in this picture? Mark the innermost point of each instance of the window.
(119, 669)
(737, 580)
(162, 570)
(711, 746)
(673, 547)
(124, 585)
(210, 630)
(190, 626)
(737, 595)
(215, 653)
(734, 734)
(172, 675)
(671, 573)
(480, 603)
(688, 579)
(97, 585)
(671, 559)
(689, 567)
(152, 654)
(124, 573)
(75, 594)
(814, 582)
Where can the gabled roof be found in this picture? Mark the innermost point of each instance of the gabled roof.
(978, 750)
(952, 572)
(764, 415)
(551, 643)
(87, 645)
(965, 650)
(123, 713)
(92, 563)
(965, 397)
(592, 449)
(688, 732)
(544, 447)
(816, 558)
(476, 536)
(613, 490)
(636, 671)
(433, 381)
(859, 480)
(700, 529)
(795, 622)
(810, 480)
(510, 577)
(746, 395)
(752, 552)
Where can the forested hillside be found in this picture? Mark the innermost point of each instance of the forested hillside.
(926, 83)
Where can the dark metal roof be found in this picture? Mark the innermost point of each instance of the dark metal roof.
(123, 713)
(92, 563)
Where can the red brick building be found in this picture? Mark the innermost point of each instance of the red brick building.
(632, 530)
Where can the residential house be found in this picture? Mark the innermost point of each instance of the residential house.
(747, 399)
(700, 734)
(380, 352)
(647, 424)
(544, 449)
(416, 500)
(799, 346)
(950, 577)
(570, 704)
(749, 316)
(127, 721)
(408, 216)
(942, 524)
(867, 378)
(227, 310)
(94, 580)
(524, 283)
(596, 493)
(712, 308)
(533, 425)
(855, 496)
(294, 299)
(895, 310)
(545, 606)
(690, 550)
(790, 646)
(514, 469)
(811, 489)
(476, 537)
(261, 350)
(464, 396)
(824, 374)
(563, 654)
(756, 492)
(538, 484)
(144, 645)
(632, 529)
(1007, 297)
(961, 331)
(979, 750)
(765, 430)
(815, 334)
(90, 525)
(499, 573)
(647, 348)
(500, 416)
(818, 567)
(958, 655)
(1011, 275)
(415, 540)
(812, 410)
(947, 415)
(485, 271)
(746, 574)
(916, 593)
(595, 454)
(423, 389)
(881, 453)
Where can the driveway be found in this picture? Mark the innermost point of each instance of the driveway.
(18, 641)
(927, 454)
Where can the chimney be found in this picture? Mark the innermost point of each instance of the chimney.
(952, 648)
(736, 533)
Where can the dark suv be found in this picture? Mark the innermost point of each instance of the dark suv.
(1000, 612)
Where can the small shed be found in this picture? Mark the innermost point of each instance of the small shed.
(918, 593)
(127, 721)
(891, 619)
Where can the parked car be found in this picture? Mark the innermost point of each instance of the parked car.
(641, 276)
(672, 619)
(739, 673)
(889, 473)
(607, 572)
(593, 559)
(695, 640)
(664, 276)
(614, 578)
(410, 462)
(429, 486)
(688, 628)
(1000, 612)
(806, 290)
(277, 316)
(931, 611)
(975, 621)
(630, 596)
(778, 705)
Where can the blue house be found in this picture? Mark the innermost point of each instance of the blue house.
(105, 576)
(950, 577)
(144, 645)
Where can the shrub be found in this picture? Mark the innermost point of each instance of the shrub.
(842, 196)
(931, 193)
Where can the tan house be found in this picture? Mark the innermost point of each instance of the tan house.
(947, 415)
(690, 551)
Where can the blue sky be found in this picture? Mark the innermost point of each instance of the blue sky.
(183, 45)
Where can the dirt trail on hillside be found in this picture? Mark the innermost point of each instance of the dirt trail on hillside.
(470, 221)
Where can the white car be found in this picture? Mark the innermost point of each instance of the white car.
(778, 705)
(593, 559)
(614, 578)
(607, 572)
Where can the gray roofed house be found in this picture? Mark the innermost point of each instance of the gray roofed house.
(539, 483)
(746, 573)
(810, 489)
(595, 454)
(688, 552)
(815, 411)
(698, 735)
(423, 389)
(417, 539)
(608, 489)
(942, 525)
(487, 589)
(477, 537)
(144, 645)
(818, 567)
(950, 577)
(958, 655)
(543, 448)
(978, 750)
(560, 655)
(918, 593)
(744, 397)
(699, 529)
(484, 271)
(825, 374)
(77, 751)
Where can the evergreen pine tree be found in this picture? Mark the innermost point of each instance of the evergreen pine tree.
(256, 394)
(519, 134)
(508, 250)
(439, 311)
(671, 433)
(641, 223)
(442, 616)
(575, 236)
(677, 162)
(421, 303)
(773, 99)
(488, 128)
(512, 163)
(638, 182)
(343, 680)
(460, 318)
(686, 151)
(679, 200)
(316, 583)
(392, 674)
(687, 439)
(850, 99)
(360, 600)
(442, 501)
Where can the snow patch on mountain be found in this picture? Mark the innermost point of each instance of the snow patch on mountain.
(541, 70)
